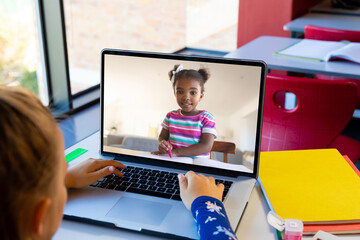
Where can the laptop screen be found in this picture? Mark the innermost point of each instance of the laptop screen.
(140, 102)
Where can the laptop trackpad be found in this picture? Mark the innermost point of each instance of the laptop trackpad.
(138, 210)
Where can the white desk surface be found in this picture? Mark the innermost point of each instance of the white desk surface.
(264, 47)
(325, 7)
(338, 21)
(253, 225)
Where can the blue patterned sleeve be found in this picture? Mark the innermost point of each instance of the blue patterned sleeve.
(211, 219)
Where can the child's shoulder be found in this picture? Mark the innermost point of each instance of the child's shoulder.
(173, 113)
(206, 114)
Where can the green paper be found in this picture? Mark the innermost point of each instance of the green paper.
(74, 154)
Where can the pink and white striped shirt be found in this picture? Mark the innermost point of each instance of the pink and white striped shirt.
(186, 130)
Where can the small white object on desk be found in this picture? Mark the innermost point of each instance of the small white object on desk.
(293, 227)
(321, 235)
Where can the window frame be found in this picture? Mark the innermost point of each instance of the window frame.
(53, 45)
(54, 51)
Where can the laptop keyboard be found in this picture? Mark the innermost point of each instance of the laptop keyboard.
(149, 182)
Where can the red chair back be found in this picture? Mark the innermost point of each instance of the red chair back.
(331, 34)
(323, 110)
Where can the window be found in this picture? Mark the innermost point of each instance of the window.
(160, 26)
(20, 62)
(73, 33)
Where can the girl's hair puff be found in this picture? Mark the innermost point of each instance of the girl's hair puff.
(202, 75)
(27, 158)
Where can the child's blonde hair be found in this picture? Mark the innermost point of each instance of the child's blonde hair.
(27, 158)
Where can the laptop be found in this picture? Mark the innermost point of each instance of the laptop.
(136, 95)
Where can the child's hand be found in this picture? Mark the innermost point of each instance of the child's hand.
(163, 147)
(194, 185)
(91, 170)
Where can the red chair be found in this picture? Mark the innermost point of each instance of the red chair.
(323, 110)
(331, 34)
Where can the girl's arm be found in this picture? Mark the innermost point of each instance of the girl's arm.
(202, 196)
(204, 146)
(162, 140)
(164, 135)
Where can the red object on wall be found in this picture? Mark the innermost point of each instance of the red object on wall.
(267, 17)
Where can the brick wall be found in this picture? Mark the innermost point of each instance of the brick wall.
(150, 25)
(92, 25)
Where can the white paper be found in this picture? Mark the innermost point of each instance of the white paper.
(167, 158)
(314, 49)
(350, 52)
(198, 161)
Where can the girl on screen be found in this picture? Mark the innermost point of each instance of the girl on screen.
(187, 132)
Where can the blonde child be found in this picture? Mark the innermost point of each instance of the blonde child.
(187, 132)
(34, 174)
(33, 171)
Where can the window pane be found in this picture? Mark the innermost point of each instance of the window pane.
(20, 63)
(212, 24)
(149, 25)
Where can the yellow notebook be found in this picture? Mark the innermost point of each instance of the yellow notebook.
(315, 186)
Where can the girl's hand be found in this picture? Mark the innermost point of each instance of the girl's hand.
(163, 147)
(194, 185)
(91, 170)
(157, 153)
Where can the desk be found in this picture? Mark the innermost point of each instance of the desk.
(325, 7)
(345, 22)
(253, 225)
(254, 217)
(264, 47)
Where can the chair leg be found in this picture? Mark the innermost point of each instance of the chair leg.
(225, 160)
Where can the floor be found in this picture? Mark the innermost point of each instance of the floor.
(84, 123)
(353, 130)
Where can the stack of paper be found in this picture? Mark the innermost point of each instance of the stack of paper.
(323, 50)
(318, 187)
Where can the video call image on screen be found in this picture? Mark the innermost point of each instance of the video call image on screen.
(138, 95)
